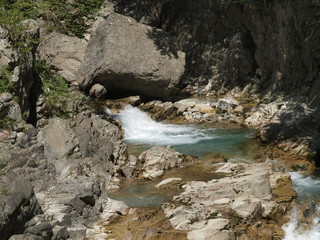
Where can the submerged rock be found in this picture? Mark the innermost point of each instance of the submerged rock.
(124, 55)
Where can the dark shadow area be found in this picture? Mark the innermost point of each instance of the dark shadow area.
(163, 42)
(35, 92)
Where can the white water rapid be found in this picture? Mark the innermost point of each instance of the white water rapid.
(141, 128)
(308, 189)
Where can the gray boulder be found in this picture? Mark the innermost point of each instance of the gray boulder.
(64, 53)
(161, 158)
(59, 139)
(129, 56)
(98, 91)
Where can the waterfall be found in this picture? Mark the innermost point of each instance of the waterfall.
(139, 127)
(308, 189)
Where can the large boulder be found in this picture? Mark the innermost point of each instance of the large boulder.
(63, 53)
(129, 56)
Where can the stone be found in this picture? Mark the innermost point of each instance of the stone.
(18, 204)
(204, 108)
(60, 233)
(211, 231)
(7, 55)
(59, 139)
(246, 194)
(168, 181)
(124, 55)
(22, 139)
(224, 103)
(98, 91)
(158, 159)
(5, 97)
(63, 53)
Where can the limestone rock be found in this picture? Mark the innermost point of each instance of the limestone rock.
(63, 53)
(7, 54)
(59, 139)
(246, 194)
(158, 159)
(98, 91)
(124, 55)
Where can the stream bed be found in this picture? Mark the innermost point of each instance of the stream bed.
(141, 133)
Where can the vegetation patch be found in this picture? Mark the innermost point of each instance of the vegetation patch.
(73, 14)
(55, 90)
(7, 123)
(6, 84)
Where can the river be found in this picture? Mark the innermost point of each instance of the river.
(141, 133)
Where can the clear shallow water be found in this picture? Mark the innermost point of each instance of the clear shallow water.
(142, 132)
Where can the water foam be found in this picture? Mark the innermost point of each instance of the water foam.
(308, 188)
(141, 128)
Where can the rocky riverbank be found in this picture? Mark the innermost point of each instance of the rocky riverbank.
(59, 157)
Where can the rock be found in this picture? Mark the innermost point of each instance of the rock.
(204, 108)
(18, 205)
(98, 91)
(63, 53)
(43, 229)
(239, 110)
(212, 231)
(246, 194)
(7, 55)
(5, 97)
(224, 103)
(158, 159)
(114, 209)
(22, 139)
(124, 55)
(60, 233)
(167, 181)
(59, 139)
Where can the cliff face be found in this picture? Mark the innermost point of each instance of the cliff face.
(272, 45)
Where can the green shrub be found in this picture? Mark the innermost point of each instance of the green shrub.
(6, 85)
(6, 123)
(55, 90)
(75, 14)
(4, 191)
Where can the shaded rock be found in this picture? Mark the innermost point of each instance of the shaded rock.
(158, 159)
(18, 205)
(63, 53)
(98, 91)
(125, 55)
